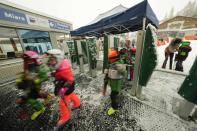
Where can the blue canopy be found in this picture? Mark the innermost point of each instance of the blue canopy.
(126, 21)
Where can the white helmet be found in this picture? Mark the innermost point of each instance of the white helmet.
(58, 54)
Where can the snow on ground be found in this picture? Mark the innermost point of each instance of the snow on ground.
(166, 84)
(163, 86)
(161, 91)
(152, 114)
(91, 116)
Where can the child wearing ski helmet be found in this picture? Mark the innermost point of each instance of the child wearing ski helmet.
(30, 82)
(64, 84)
(115, 76)
(129, 58)
(183, 52)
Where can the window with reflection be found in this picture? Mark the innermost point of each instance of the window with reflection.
(10, 46)
(38, 41)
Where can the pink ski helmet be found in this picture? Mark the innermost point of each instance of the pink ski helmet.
(31, 55)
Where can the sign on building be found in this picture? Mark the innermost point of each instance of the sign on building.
(59, 26)
(33, 20)
(12, 16)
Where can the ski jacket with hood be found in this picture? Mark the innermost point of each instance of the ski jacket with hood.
(64, 77)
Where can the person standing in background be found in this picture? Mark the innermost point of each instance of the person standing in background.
(169, 51)
(182, 55)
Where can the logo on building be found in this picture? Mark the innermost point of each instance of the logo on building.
(12, 16)
(38, 21)
(59, 26)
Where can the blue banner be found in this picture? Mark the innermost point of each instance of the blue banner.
(59, 26)
(12, 16)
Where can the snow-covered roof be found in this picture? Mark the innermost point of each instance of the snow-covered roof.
(115, 10)
(166, 20)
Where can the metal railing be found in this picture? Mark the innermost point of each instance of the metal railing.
(9, 71)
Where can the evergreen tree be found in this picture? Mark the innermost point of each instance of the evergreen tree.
(149, 57)
(188, 89)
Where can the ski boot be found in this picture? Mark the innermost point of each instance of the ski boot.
(111, 111)
(37, 113)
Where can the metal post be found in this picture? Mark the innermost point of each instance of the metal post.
(111, 41)
(105, 52)
(66, 50)
(53, 40)
(139, 45)
(80, 56)
(97, 48)
(144, 24)
(89, 63)
(20, 39)
(137, 89)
